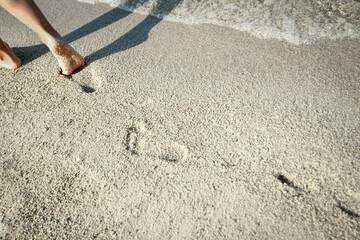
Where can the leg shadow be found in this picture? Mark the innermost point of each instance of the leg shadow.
(30, 53)
(138, 34)
(104, 20)
(134, 37)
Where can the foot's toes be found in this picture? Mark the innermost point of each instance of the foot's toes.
(8, 59)
(10, 64)
(73, 64)
(68, 59)
(16, 64)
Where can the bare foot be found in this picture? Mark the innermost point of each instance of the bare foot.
(8, 59)
(68, 58)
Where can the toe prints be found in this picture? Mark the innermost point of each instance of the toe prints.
(173, 152)
(141, 141)
(88, 80)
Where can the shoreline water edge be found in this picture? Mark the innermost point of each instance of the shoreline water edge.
(297, 22)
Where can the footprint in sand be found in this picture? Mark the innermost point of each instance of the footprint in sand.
(88, 80)
(139, 140)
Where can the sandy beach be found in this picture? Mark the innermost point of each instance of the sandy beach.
(176, 131)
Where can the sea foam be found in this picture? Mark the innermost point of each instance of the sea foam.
(296, 21)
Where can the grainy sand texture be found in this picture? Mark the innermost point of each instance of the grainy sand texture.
(176, 131)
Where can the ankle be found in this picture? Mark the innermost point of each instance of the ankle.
(50, 37)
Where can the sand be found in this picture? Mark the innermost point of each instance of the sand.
(177, 131)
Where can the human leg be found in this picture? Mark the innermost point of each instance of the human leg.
(28, 13)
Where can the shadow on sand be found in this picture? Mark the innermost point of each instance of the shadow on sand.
(134, 37)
